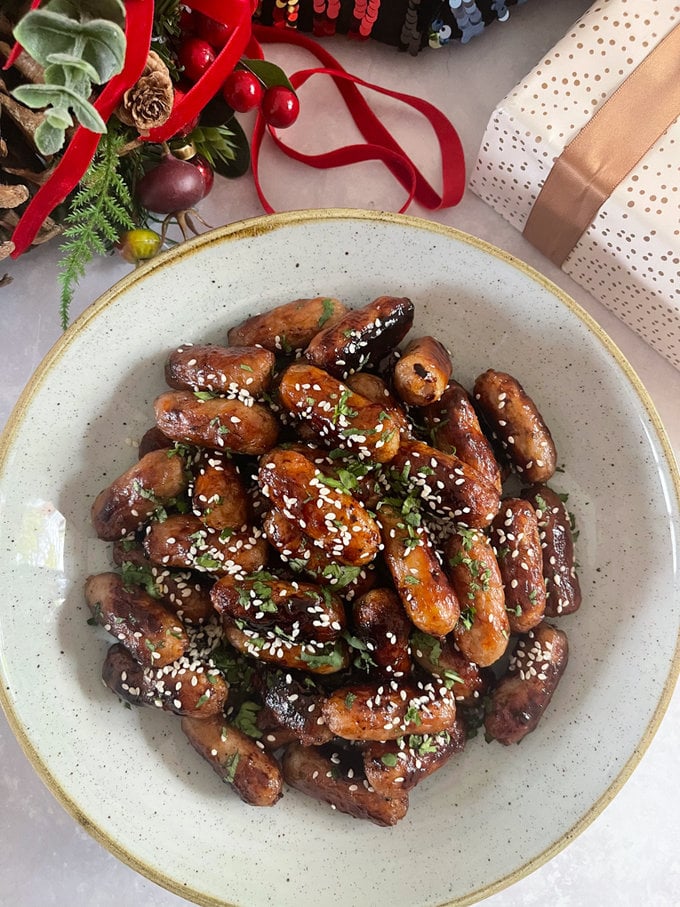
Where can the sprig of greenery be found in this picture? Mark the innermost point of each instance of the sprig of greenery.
(100, 210)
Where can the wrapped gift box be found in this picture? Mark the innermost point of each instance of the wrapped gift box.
(620, 52)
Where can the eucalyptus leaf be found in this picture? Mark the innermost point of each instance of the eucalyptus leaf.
(59, 117)
(90, 9)
(99, 42)
(48, 138)
(69, 62)
(268, 73)
(38, 96)
(75, 79)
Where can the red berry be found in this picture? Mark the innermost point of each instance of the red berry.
(242, 91)
(280, 106)
(195, 55)
(212, 31)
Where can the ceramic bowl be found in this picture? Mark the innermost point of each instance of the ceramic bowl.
(494, 813)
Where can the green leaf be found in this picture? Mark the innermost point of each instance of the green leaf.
(89, 9)
(59, 117)
(38, 96)
(268, 73)
(49, 138)
(389, 759)
(246, 719)
(99, 42)
(64, 68)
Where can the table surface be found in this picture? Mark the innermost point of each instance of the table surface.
(630, 850)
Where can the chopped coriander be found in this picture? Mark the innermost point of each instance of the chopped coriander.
(389, 759)
(246, 719)
(231, 764)
(349, 700)
(326, 311)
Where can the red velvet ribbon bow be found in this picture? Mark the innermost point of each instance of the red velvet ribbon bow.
(380, 144)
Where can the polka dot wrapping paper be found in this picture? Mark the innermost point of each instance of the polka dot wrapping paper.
(629, 255)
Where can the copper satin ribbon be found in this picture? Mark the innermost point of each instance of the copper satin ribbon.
(593, 164)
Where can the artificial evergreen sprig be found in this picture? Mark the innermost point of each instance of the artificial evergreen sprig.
(99, 211)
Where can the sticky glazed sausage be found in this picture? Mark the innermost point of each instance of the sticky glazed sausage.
(274, 648)
(338, 416)
(425, 592)
(303, 612)
(454, 428)
(216, 422)
(514, 419)
(316, 771)
(288, 327)
(516, 542)
(446, 484)
(218, 493)
(295, 703)
(386, 709)
(132, 499)
(562, 587)
(334, 519)
(151, 633)
(237, 759)
(376, 390)
(183, 541)
(200, 691)
(422, 371)
(483, 631)
(401, 764)
(379, 618)
(220, 369)
(362, 336)
(523, 694)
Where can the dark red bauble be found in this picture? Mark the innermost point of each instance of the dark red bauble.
(171, 186)
(280, 106)
(206, 171)
(212, 31)
(195, 55)
(242, 91)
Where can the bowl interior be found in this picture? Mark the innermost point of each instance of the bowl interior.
(494, 812)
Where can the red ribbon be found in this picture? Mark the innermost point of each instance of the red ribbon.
(16, 50)
(380, 144)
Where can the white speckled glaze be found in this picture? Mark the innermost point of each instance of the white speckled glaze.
(492, 814)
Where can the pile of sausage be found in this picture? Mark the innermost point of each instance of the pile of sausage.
(321, 567)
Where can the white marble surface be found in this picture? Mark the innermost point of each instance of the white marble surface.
(629, 853)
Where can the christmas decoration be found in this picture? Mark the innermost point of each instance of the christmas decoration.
(100, 136)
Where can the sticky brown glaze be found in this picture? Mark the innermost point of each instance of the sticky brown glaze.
(220, 369)
(151, 633)
(447, 485)
(290, 326)
(183, 541)
(422, 371)
(312, 771)
(563, 590)
(426, 594)
(515, 420)
(299, 552)
(295, 704)
(361, 337)
(483, 632)
(302, 611)
(515, 538)
(216, 422)
(441, 658)
(237, 759)
(523, 694)
(387, 709)
(131, 500)
(455, 429)
(376, 390)
(218, 494)
(401, 764)
(191, 689)
(179, 590)
(334, 519)
(379, 619)
(272, 648)
(338, 416)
